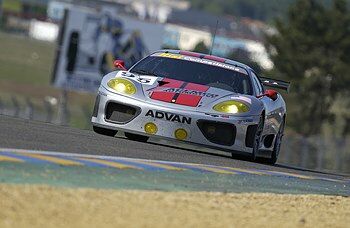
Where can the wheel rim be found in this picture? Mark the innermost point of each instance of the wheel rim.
(278, 144)
(258, 134)
(279, 140)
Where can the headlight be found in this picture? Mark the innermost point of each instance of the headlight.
(231, 107)
(122, 85)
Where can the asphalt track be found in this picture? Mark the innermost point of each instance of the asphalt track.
(31, 135)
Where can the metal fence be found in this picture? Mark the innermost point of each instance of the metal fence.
(25, 108)
(317, 152)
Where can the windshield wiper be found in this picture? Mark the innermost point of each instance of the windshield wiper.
(145, 72)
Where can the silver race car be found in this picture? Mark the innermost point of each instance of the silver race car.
(196, 98)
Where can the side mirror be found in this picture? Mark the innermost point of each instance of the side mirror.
(120, 64)
(273, 94)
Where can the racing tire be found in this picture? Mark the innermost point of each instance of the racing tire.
(277, 146)
(257, 138)
(104, 131)
(134, 137)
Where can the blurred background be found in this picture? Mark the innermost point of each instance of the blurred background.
(54, 53)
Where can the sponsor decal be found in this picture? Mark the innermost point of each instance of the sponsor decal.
(169, 116)
(201, 60)
(144, 80)
(190, 92)
(245, 121)
(170, 55)
(102, 93)
(209, 62)
(179, 92)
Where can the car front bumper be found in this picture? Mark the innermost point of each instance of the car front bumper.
(169, 119)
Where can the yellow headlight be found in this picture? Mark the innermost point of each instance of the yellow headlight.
(122, 85)
(231, 107)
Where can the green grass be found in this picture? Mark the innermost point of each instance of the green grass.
(12, 5)
(25, 60)
(25, 72)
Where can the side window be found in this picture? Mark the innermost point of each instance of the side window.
(257, 85)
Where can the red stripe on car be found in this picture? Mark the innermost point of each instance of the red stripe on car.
(215, 58)
(171, 83)
(188, 53)
(179, 98)
(189, 99)
(162, 96)
(197, 87)
(166, 96)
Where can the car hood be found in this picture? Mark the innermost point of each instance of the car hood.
(180, 94)
(184, 93)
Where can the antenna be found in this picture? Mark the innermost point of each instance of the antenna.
(212, 44)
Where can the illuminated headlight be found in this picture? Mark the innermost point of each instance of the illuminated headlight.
(231, 107)
(122, 85)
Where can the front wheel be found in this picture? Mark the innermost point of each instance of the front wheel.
(277, 146)
(104, 131)
(257, 138)
(134, 137)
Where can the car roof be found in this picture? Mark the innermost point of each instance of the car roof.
(206, 56)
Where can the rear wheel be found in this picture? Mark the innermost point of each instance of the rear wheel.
(104, 131)
(134, 137)
(277, 146)
(257, 137)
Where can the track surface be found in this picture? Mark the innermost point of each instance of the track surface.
(25, 134)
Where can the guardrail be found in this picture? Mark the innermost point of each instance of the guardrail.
(28, 110)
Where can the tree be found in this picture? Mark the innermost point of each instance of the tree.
(170, 47)
(243, 56)
(255, 9)
(312, 50)
(201, 48)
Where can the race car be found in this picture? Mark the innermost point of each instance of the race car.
(195, 98)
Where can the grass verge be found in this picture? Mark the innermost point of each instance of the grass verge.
(25, 72)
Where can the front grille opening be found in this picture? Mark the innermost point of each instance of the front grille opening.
(250, 135)
(218, 132)
(120, 113)
(268, 141)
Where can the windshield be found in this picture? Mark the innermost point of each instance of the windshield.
(194, 72)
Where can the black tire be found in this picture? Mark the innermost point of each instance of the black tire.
(257, 138)
(277, 145)
(104, 131)
(134, 137)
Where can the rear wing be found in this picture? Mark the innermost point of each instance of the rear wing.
(274, 83)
